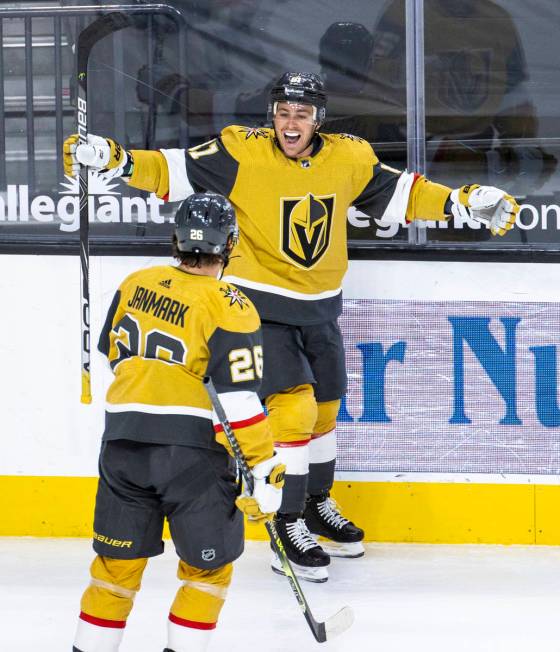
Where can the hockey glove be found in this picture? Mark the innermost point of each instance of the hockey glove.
(267, 494)
(485, 204)
(101, 154)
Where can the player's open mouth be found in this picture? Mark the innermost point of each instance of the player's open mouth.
(291, 137)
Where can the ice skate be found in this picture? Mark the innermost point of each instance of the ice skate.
(339, 536)
(306, 556)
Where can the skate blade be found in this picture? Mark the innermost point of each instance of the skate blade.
(308, 573)
(346, 550)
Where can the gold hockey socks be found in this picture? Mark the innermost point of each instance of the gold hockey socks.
(197, 605)
(292, 414)
(107, 602)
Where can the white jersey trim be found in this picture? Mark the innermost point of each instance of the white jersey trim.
(274, 289)
(396, 208)
(179, 184)
(238, 406)
(186, 410)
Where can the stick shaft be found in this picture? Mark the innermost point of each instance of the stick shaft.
(84, 48)
(92, 34)
(317, 628)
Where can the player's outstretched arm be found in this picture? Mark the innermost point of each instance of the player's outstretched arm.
(485, 204)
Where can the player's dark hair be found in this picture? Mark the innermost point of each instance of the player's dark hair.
(194, 259)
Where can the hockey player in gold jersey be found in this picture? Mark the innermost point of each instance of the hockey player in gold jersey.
(291, 186)
(163, 449)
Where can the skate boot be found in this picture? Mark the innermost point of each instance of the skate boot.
(306, 556)
(323, 518)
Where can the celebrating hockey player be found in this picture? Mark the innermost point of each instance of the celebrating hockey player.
(161, 456)
(291, 187)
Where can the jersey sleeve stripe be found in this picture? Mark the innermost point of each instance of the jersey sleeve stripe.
(396, 208)
(179, 184)
(239, 406)
(241, 424)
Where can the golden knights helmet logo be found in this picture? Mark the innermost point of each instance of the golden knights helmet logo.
(306, 228)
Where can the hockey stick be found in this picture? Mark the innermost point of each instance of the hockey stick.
(87, 38)
(322, 631)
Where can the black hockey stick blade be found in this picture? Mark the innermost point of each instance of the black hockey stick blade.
(103, 26)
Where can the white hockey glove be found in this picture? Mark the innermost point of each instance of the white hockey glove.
(265, 500)
(485, 204)
(101, 154)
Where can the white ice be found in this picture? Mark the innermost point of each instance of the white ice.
(406, 598)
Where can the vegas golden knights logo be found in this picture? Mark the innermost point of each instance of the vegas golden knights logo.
(306, 228)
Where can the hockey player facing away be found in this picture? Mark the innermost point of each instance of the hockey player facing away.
(291, 187)
(163, 449)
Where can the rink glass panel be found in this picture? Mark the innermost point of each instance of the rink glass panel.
(166, 83)
(492, 114)
(490, 110)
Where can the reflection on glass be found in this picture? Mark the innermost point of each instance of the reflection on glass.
(483, 122)
(492, 114)
(361, 103)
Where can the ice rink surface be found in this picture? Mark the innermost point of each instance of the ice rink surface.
(406, 598)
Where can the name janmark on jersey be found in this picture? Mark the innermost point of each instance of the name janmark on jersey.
(158, 305)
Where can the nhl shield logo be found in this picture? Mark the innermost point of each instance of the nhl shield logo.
(306, 228)
(209, 554)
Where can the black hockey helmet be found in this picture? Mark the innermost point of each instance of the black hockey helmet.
(300, 88)
(205, 223)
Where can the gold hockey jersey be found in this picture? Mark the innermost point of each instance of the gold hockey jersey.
(292, 252)
(167, 329)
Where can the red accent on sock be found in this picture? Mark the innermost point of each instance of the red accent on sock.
(291, 444)
(242, 424)
(316, 435)
(194, 624)
(103, 622)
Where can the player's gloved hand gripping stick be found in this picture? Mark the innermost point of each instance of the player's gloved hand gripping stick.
(322, 631)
